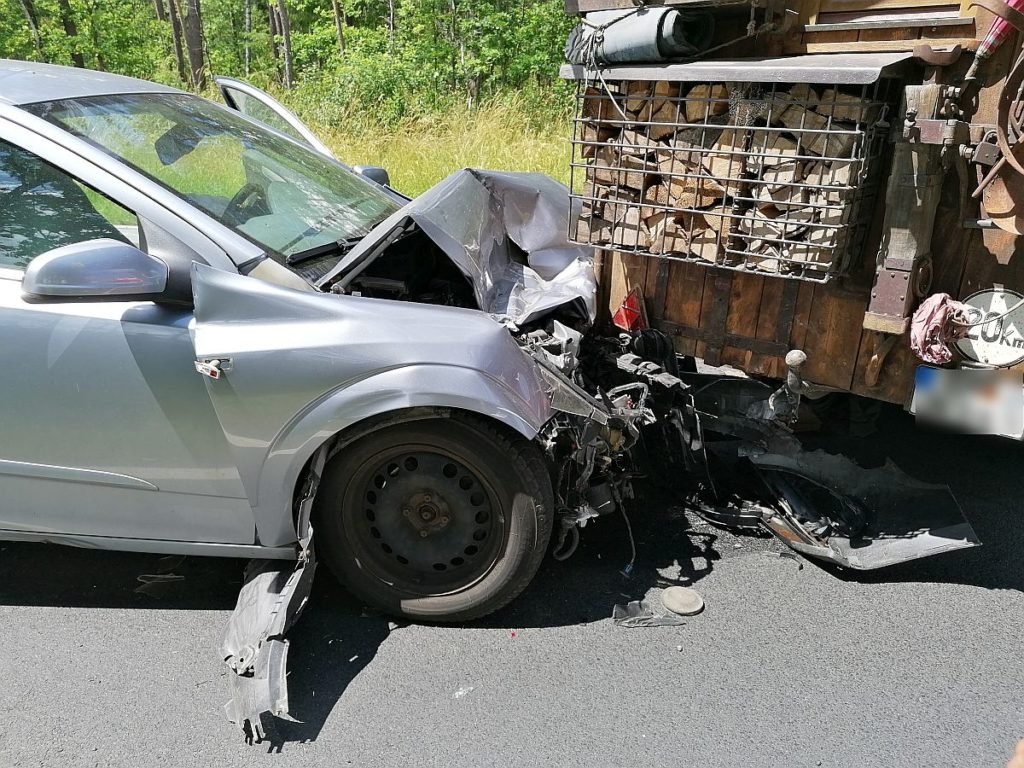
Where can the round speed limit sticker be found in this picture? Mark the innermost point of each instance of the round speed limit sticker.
(1000, 342)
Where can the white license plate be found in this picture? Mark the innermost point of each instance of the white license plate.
(985, 402)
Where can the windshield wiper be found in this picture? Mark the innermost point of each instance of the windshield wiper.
(341, 247)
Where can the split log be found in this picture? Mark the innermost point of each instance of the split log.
(593, 134)
(594, 230)
(611, 168)
(640, 94)
(635, 143)
(846, 107)
(664, 234)
(705, 243)
(706, 100)
(809, 127)
(776, 187)
(662, 121)
(627, 228)
(597, 105)
(657, 194)
(689, 184)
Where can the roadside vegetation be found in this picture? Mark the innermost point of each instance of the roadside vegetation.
(420, 87)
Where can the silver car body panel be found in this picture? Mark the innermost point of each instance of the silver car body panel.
(28, 82)
(111, 417)
(305, 366)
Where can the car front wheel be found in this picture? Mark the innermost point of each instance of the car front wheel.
(442, 519)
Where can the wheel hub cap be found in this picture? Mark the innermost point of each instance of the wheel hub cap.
(428, 521)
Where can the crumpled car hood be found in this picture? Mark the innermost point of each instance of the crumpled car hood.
(485, 221)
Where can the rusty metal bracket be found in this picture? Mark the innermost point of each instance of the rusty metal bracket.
(938, 58)
(944, 132)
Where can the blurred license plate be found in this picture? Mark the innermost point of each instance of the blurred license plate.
(982, 402)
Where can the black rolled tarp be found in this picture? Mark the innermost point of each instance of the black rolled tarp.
(639, 35)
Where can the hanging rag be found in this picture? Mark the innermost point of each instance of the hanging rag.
(938, 320)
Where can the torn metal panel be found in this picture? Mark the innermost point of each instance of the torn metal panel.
(254, 645)
(506, 232)
(831, 508)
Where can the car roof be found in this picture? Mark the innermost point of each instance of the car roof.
(28, 82)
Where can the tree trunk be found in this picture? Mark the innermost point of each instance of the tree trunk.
(161, 12)
(67, 20)
(286, 37)
(99, 62)
(193, 23)
(274, 31)
(29, 9)
(248, 37)
(391, 23)
(339, 25)
(179, 51)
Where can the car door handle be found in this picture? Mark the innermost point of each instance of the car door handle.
(214, 367)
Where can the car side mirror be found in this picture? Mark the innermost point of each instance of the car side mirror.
(374, 173)
(94, 270)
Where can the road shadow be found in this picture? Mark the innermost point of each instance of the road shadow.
(57, 576)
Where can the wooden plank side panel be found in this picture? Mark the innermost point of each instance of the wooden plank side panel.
(768, 328)
(683, 296)
(833, 337)
(741, 318)
(843, 339)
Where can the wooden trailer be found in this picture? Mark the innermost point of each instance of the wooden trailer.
(804, 185)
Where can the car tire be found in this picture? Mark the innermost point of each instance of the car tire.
(439, 519)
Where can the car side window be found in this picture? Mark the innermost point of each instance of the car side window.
(42, 207)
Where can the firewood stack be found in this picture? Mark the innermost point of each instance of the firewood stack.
(731, 175)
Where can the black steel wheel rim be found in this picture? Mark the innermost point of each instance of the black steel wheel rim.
(423, 520)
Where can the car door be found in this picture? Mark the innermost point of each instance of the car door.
(106, 429)
(254, 103)
(261, 106)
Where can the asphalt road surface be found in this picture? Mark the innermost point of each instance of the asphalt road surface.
(789, 664)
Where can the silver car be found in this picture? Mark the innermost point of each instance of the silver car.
(219, 339)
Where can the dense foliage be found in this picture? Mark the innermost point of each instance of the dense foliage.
(356, 63)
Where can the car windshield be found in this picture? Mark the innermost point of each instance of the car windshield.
(288, 199)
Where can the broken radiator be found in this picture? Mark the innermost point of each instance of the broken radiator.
(772, 178)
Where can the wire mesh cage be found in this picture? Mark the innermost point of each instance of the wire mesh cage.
(774, 178)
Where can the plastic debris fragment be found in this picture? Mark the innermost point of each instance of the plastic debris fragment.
(638, 614)
(682, 600)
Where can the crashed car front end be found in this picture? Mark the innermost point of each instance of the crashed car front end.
(616, 406)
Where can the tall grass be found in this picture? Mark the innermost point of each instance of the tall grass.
(420, 152)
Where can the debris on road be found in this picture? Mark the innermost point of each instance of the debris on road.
(637, 613)
(682, 600)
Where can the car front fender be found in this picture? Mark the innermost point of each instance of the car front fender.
(394, 390)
